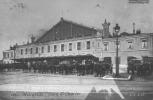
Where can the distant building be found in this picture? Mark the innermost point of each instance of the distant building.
(71, 41)
(8, 56)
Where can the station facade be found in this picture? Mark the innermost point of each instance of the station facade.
(68, 40)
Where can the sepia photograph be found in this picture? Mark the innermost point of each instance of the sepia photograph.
(76, 50)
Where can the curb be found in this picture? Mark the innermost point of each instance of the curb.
(119, 79)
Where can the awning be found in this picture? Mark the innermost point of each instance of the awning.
(89, 56)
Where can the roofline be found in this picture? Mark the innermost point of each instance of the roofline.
(131, 35)
(7, 50)
(86, 37)
(62, 19)
(60, 41)
(80, 24)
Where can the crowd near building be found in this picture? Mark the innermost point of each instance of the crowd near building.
(70, 41)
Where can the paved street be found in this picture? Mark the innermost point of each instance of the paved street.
(26, 86)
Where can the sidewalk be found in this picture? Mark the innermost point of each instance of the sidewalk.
(32, 84)
(37, 78)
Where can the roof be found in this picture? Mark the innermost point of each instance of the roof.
(8, 50)
(65, 29)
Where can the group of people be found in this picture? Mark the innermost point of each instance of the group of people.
(90, 68)
(96, 68)
(140, 68)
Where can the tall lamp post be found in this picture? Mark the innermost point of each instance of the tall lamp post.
(117, 29)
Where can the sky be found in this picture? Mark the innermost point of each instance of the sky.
(20, 19)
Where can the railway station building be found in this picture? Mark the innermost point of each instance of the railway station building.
(70, 41)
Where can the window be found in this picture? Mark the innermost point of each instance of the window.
(31, 51)
(118, 44)
(130, 44)
(88, 44)
(4, 54)
(26, 51)
(98, 45)
(70, 46)
(55, 48)
(36, 49)
(144, 43)
(79, 46)
(21, 51)
(42, 49)
(105, 46)
(8, 55)
(93, 44)
(62, 47)
(11, 54)
(79, 34)
(48, 48)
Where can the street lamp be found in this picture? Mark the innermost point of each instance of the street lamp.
(117, 29)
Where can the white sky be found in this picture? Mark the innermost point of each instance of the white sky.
(19, 19)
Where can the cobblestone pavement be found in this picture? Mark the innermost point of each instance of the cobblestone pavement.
(29, 86)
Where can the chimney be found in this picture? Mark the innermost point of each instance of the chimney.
(133, 28)
(62, 18)
(32, 39)
(11, 47)
(138, 31)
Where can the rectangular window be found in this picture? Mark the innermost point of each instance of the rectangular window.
(36, 49)
(55, 48)
(105, 46)
(70, 46)
(48, 48)
(62, 47)
(118, 44)
(98, 45)
(21, 51)
(79, 46)
(8, 55)
(130, 44)
(26, 51)
(144, 43)
(88, 44)
(93, 44)
(11, 54)
(31, 51)
(42, 49)
(4, 54)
